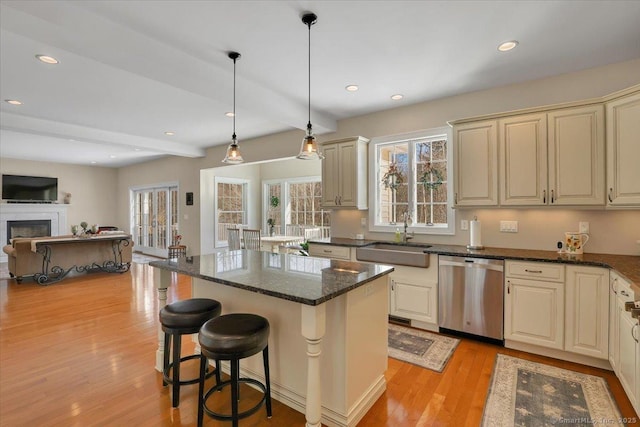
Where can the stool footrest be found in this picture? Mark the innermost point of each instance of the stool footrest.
(244, 414)
(168, 380)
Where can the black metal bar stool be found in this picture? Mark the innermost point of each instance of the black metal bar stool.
(183, 318)
(233, 337)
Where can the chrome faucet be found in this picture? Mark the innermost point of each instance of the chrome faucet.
(405, 235)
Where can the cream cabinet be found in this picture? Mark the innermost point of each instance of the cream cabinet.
(587, 311)
(330, 251)
(553, 158)
(344, 173)
(476, 164)
(623, 151)
(534, 303)
(576, 156)
(413, 295)
(523, 160)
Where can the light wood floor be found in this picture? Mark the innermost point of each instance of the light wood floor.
(82, 352)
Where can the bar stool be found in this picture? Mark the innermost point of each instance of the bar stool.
(233, 337)
(183, 318)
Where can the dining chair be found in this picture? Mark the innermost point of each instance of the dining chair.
(233, 238)
(251, 239)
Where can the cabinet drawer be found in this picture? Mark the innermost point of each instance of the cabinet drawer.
(535, 270)
(327, 251)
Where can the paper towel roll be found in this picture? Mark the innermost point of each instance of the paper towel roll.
(475, 234)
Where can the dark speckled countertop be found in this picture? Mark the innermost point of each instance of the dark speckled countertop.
(628, 266)
(307, 280)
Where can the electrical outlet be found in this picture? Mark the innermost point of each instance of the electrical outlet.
(509, 226)
(583, 227)
(464, 224)
(363, 221)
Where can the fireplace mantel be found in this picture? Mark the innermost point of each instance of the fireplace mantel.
(57, 213)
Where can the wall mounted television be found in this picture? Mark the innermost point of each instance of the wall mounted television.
(29, 189)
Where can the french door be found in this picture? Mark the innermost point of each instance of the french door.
(155, 219)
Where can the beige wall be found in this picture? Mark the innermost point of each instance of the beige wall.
(93, 193)
(612, 231)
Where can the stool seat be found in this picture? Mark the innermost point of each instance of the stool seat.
(189, 314)
(233, 337)
(236, 336)
(183, 318)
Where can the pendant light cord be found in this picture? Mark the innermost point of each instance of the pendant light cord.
(234, 99)
(309, 79)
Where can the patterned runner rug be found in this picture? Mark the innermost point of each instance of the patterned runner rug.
(524, 393)
(422, 348)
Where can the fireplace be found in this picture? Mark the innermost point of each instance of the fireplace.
(28, 228)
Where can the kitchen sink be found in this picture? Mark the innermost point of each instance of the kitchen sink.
(385, 253)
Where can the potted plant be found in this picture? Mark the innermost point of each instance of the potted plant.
(274, 202)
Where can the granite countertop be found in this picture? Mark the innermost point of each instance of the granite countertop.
(628, 266)
(307, 280)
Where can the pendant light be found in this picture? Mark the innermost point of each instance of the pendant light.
(233, 151)
(309, 149)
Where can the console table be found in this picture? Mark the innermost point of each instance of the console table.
(63, 255)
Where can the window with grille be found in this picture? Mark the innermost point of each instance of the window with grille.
(411, 179)
(231, 206)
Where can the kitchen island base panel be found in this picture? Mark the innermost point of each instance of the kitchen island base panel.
(352, 360)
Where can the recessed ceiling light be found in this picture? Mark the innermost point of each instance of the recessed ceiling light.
(113, 156)
(47, 59)
(397, 97)
(93, 162)
(136, 149)
(169, 133)
(229, 114)
(506, 46)
(352, 88)
(13, 101)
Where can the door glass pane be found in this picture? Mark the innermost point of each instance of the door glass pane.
(161, 219)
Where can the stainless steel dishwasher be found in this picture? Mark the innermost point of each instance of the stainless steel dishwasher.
(471, 296)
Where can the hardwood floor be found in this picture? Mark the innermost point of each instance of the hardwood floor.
(82, 353)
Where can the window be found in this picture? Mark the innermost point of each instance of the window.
(411, 175)
(154, 217)
(231, 208)
(299, 208)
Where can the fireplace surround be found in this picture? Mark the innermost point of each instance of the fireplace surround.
(55, 213)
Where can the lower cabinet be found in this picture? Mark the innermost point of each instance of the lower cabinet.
(534, 312)
(557, 307)
(587, 311)
(411, 300)
(625, 341)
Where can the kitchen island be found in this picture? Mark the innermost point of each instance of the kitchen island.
(328, 342)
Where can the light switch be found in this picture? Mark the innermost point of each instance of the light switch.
(363, 221)
(464, 224)
(583, 226)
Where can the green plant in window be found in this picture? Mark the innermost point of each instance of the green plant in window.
(393, 178)
(431, 178)
(274, 202)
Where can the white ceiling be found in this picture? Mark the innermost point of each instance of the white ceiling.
(131, 70)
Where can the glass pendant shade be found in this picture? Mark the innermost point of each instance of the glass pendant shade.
(309, 148)
(233, 153)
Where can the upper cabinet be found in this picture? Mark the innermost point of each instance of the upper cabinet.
(576, 156)
(623, 151)
(344, 173)
(476, 164)
(551, 156)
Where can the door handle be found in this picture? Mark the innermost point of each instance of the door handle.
(508, 286)
(633, 335)
(610, 195)
(613, 285)
(533, 271)
(544, 196)
(624, 293)
(455, 198)
(393, 283)
(552, 197)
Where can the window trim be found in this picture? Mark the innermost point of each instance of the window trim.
(374, 180)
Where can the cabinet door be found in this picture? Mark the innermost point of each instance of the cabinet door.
(476, 164)
(523, 160)
(330, 179)
(347, 174)
(576, 156)
(587, 311)
(623, 151)
(614, 356)
(534, 312)
(628, 331)
(411, 301)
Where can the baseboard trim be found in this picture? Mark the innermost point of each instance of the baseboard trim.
(559, 354)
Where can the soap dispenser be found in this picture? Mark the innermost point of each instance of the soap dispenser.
(398, 235)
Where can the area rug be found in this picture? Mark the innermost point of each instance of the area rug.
(524, 393)
(422, 348)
